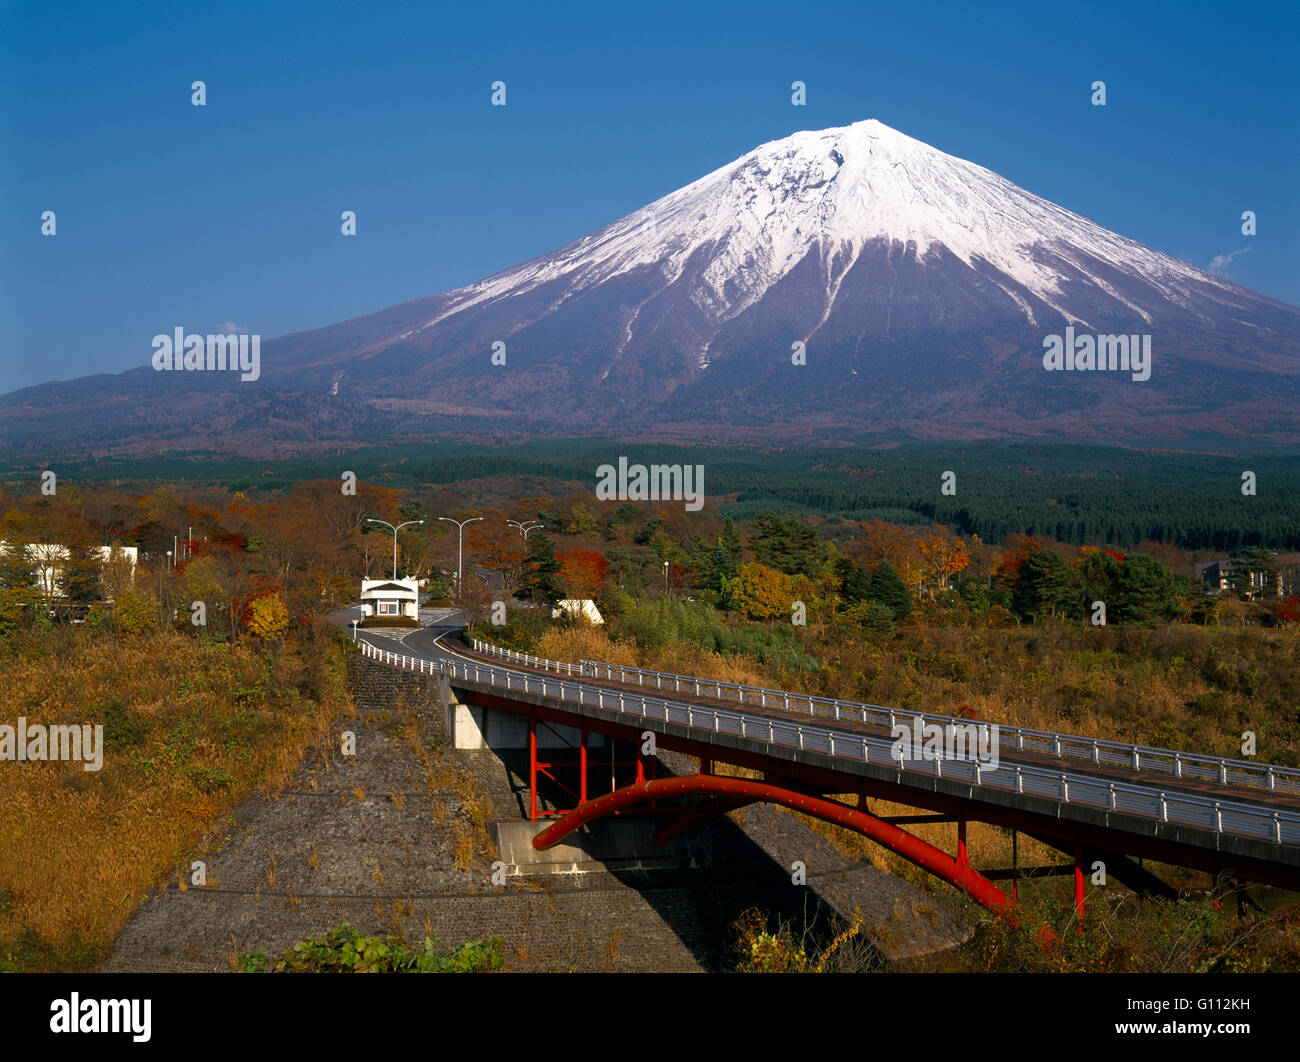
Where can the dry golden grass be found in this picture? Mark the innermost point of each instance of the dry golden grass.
(581, 642)
(613, 946)
(204, 727)
(1180, 686)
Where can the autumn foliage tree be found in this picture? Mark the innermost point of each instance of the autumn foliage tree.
(943, 556)
(1288, 610)
(760, 592)
(927, 557)
(268, 618)
(1016, 549)
(136, 612)
(501, 547)
(582, 572)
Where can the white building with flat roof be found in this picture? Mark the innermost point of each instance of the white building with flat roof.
(49, 558)
(397, 598)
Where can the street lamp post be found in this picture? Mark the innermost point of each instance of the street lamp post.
(460, 544)
(665, 577)
(372, 520)
(525, 526)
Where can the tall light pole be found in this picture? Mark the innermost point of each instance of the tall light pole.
(372, 520)
(525, 526)
(460, 544)
(665, 577)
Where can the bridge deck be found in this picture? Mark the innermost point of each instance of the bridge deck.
(1252, 833)
(1107, 772)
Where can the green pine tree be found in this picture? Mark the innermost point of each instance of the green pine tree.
(730, 541)
(1099, 576)
(721, 567)
(1147, 591)
(540, 585)
(1046, 586)
(886, 586)
(79, 577)
(17, 567)
(786, 544)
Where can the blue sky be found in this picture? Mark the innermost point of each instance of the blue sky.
(170, 214)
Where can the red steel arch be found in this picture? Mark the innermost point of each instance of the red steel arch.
(907, 845)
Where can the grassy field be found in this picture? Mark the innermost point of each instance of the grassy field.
(191, 729)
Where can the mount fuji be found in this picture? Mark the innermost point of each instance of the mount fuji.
(847, 284)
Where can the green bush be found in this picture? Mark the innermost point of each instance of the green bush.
(344, 950)
(520, 632)
(872, 616)
(120, 730)
(656, 622)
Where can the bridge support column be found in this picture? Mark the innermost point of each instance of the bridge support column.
(532, 767)
(962, 859)
(582, 767)
(1078, 883)
(1015, 865)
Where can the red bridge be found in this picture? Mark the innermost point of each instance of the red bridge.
(1091, 799)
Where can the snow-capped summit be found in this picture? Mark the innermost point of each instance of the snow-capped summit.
(835, 193)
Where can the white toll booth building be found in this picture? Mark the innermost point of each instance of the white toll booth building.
(398, 598)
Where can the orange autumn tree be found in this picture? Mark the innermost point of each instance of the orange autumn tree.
(502, 548)
(944, 554)
(883, 542)
(1016, 549)
(582, 572)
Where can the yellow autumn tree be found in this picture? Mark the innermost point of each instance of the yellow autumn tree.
(761, 592)
(268, 619)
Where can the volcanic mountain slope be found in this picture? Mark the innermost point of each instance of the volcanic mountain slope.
(920, 285)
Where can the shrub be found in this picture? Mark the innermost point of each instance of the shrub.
(136, 612)
(872, 616)
(520, 632)
(344, 950)
(120, 729)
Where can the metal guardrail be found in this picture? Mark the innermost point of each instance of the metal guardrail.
(1219, 816)
(1143, 758)
(526, 660)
